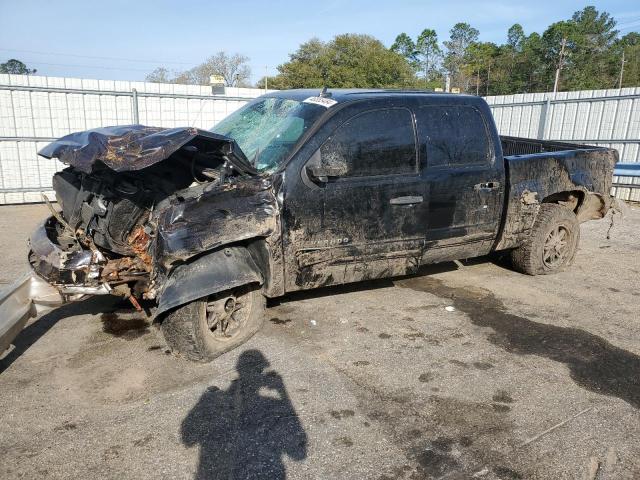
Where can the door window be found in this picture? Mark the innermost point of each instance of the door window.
(454, 135)
(378, 142)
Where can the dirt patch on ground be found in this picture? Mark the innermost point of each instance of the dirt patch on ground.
(594, 363)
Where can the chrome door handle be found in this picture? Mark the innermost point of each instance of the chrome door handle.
(485, 187)
(408, 200)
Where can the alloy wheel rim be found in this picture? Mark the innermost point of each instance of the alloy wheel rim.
(556, 246)
(227, 315)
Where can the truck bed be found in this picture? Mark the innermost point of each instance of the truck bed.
(539, 171)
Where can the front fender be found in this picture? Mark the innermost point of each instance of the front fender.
(210, 273)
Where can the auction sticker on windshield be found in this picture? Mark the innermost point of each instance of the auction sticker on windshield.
(324, 101)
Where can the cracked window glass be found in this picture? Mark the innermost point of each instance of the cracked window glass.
(267, 129)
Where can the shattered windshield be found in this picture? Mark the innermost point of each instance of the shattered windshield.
(267, 129)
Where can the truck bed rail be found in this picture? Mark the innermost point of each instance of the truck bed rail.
(527, 146)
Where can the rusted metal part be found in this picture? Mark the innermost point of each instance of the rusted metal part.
(139, 240)
(123, 290)
(123, 268)
(135, 303)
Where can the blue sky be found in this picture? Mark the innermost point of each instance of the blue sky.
(124, 40)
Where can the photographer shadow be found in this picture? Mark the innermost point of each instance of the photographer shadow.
(244, 432)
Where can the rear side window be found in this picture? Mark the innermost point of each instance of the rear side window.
(454, 135)
(378, 142)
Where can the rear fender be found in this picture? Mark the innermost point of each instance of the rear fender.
(210, 273)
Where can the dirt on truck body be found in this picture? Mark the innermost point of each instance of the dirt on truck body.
(301, 189)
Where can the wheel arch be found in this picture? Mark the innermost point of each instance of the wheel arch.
(585, 204)
(212, 272)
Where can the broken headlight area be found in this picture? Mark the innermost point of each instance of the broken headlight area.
(77, 268)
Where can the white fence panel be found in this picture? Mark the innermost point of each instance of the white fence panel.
(35, 110)
(607, 118)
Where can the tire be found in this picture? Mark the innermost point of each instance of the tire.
(552, 243)
(198, 330)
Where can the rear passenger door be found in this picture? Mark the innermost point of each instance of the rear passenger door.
(370, 218)
(465, 180)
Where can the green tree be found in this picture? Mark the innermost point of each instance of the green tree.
(508, 73)
(516, 37)
(479, 59)
(16, 67)
(586, 63)
(347, 61)
(630, 45)
(594, 36)
(429, 56)
(307, 67)
(406, 47)
(533, 69)
(516, 64)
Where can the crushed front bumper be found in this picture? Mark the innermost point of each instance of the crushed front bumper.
(56, 265)
(58, 277)
(73, 273)
(76, 272)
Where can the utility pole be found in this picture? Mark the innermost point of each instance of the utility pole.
(621, 69)
(266, 78)
(560, 64)
(478, 84)
(488, 76)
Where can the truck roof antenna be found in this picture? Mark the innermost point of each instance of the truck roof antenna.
(324, 92)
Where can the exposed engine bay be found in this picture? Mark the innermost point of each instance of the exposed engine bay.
(120, 178)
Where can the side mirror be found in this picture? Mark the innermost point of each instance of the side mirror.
(323, 167)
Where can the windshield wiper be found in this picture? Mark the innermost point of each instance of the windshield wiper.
(232, 152)
(239, 160)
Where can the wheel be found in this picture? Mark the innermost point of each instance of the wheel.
(206, 328)
(552, 243)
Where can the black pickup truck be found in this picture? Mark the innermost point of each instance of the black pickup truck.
(303, 189)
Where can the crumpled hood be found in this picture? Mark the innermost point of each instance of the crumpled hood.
(134, 147)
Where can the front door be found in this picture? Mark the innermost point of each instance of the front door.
(366, 222)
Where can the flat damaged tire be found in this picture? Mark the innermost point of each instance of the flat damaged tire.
(552, 243)
(206, 328)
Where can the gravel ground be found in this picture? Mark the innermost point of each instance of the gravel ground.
(469, 371)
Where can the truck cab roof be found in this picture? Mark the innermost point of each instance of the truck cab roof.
(343, 95)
